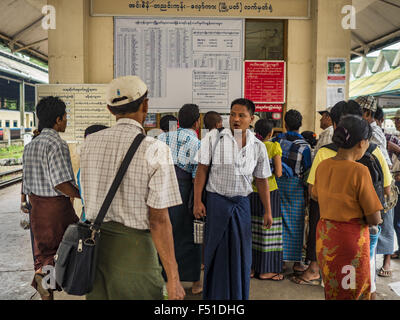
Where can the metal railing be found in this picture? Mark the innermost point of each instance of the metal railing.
(11, 181)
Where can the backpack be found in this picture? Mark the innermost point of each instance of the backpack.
(374, 167)
(286, 146)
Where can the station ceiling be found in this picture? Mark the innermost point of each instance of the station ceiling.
(377, 25)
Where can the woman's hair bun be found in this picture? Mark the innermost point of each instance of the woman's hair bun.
(340, 137)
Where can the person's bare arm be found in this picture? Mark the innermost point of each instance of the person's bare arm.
(392, 147)
(199, 210)
(161, 233)
(263, 191)
(374, 219)
(386, 191)
(310, 186)
(68, 189)
(277, 166)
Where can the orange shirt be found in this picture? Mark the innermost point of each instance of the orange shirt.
(344, 190)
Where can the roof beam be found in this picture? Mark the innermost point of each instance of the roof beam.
(18, 35)
(377, 41)
(30, 45)
(391, 3)
(31, 51)
(364, 46)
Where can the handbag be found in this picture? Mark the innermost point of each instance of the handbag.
(76, 257)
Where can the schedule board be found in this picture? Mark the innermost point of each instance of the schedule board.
(86, 105)
(182, 60)
(265, 81)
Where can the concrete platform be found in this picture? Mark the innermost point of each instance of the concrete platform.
(16, 265)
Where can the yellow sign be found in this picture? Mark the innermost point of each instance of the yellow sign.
(262, 9)
(86, 105)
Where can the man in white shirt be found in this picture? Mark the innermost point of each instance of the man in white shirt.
(235, 155)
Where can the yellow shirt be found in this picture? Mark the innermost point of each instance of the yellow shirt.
(273, 149)
(325, 153)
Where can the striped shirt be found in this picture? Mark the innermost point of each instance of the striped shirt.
(46, 164)
(184, 145)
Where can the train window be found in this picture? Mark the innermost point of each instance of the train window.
(15, 123)
(31, 124)
(1, 123)
(7, 123)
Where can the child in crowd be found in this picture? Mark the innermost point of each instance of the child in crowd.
(212, 120)
(267, 249)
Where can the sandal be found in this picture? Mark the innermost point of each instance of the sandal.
(39, 287)
(385, 273)
(297, 279)
(395, 255)
(275, 277)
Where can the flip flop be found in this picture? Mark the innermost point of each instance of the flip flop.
(257, 276)
(395, 255)
(384, 273)
(300, 280)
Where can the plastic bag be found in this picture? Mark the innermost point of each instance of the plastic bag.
(24, 221)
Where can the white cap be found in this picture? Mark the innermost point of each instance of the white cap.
(131, 87)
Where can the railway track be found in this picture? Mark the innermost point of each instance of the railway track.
(9, 182)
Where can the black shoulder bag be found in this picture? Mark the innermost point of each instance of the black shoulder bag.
(76, 257)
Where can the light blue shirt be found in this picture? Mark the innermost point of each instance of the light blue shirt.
(184, 145)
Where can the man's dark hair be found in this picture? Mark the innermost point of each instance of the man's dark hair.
(188, 115)
(379, 115)
(165, 120)
(263, 127)
(94, 128)
(343, 108)
(247, 103)
(211, 118)
(293, 120)
(130, 107)
(48, 110)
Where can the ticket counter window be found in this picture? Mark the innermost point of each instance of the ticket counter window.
(264, 40)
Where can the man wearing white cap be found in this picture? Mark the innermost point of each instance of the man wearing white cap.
(136, 226)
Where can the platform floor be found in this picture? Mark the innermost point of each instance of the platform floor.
(16, 265)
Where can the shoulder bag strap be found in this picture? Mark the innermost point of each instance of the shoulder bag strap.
(117, 181)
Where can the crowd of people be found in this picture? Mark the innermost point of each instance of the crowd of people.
(256, 191)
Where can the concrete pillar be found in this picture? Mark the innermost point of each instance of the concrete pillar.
(310, 43)
(330, 40)
(22, 107)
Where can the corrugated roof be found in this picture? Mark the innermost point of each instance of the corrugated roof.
(377, 84)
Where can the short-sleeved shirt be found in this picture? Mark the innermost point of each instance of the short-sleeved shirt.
(233, 168)
(150, 180)
(378, 137)
(324, 138)
(46, 164)
(184, 145)
(325, 153)
(344, 190)
(273, 149)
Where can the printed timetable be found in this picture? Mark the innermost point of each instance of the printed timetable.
(182, 60)
(86, 105)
